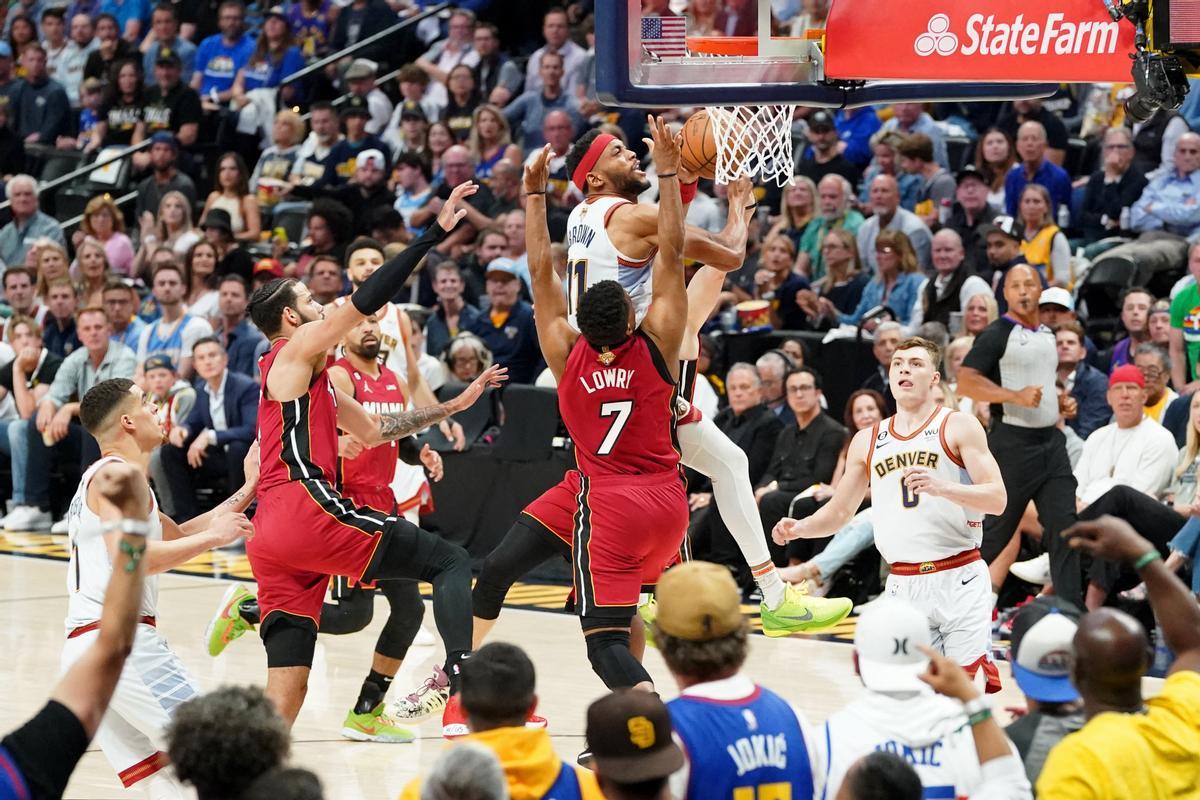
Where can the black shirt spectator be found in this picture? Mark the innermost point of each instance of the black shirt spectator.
(359, 20)
(821, 157)
(40, 105)
(112, 49)
(970, 214)
(46, 370)
(1112, 188)
(173, 108)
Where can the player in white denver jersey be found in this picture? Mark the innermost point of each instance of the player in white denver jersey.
(153, 682)
(932, 478)
(610, 236)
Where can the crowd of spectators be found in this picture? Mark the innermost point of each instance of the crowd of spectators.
(903, 219)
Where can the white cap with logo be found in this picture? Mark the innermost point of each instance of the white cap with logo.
(1057, 296)
(886, 640)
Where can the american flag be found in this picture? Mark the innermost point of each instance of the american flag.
(665, 36)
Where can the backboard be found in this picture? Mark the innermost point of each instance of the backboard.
(650, 57)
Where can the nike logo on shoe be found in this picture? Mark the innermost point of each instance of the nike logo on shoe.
(808, 615)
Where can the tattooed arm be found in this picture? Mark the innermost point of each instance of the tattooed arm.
(372, 430)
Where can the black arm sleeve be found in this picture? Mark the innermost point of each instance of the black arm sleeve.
(382, 286)
(410, 451)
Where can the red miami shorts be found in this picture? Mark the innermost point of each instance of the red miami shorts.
(627, 530)
(305, 532)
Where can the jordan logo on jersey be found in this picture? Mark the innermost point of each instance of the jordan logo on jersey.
(918, 458)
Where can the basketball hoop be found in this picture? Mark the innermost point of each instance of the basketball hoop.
(751, 141)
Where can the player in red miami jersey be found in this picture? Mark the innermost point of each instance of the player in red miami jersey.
(617, 387)
(305, 531)
(365, 479)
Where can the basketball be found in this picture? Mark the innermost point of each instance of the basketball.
(699, 146)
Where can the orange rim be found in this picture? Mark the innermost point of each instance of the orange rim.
(741, 45)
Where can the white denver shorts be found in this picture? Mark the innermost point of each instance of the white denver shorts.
(958, 603)
(152, 685)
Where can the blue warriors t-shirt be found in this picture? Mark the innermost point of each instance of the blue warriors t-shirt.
(744, 749)
(219, 62)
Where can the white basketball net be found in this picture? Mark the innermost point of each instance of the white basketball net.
(753, 141)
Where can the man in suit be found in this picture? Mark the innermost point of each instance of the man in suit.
(210, 446)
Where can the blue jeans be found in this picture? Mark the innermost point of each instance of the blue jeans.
(1187, 542)
(12, 444)
(856, 536)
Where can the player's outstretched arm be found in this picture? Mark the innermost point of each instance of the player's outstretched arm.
(236, 503)
(726, 250)
(315, 339)
(846, 499)
(555, 335)
(986, 491)
(667, 317)
(375, 429)
(121, 493)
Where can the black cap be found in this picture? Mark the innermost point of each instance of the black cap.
(168, 58)
(970, 171)
(159, 361)
(411, 109)
(355, 106)
(1003, 224)
(217, 218)
(820, 120)
(630, 736)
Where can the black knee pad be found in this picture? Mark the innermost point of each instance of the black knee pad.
(353, 611)
(608, 652)
(289, 640)
(404, 618)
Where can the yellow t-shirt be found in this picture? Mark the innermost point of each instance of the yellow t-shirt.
(1132, 756)
(1155, 411)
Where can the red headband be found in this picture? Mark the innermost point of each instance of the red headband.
(590, 158)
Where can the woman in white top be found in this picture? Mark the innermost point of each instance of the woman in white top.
(173, 228)
(232, 193)
(200, 276)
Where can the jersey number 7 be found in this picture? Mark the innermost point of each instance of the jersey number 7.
(621, 409)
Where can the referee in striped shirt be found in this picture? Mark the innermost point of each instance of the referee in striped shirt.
(1012, 366)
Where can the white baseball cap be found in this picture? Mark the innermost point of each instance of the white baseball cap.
(1041, 651)
(370, 157)
(1058, 296)
(886, 640)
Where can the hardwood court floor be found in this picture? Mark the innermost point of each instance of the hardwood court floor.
(817, 675)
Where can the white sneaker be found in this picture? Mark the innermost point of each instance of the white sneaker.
(28, 518)
(424, 638)
(1035, 570)
(426, 701)
(60, 527)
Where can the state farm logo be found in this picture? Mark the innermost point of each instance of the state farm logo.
(1055, 35)
(936, 38)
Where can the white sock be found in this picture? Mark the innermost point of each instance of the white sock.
(995, 598)
(706, 449)
(771, 584)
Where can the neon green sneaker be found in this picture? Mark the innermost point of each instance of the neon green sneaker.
(648, 611)
(227, 624)
(375, 726)
(801, 612)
